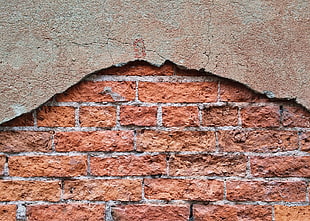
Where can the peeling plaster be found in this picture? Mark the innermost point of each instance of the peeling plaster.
(47, 46)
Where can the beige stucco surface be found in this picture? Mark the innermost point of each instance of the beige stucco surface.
(47, 46)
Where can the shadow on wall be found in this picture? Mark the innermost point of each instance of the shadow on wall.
(140, 142)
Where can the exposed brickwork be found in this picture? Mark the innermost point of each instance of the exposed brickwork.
(156, 143)
(60, 212)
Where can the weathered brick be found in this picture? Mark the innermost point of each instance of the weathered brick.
(165, 141)
(257, 141)
(232, 212)
(50, 166)
(149, 212)
(103, 190)
(207, 165)
(236, 92)
(189, 72)
(62, 212)
(180, 116)
(130, 165)
(181, 189)
(266, 191)
(2, 163)
(25, 141)
(220, 116)
(266, 116)
(140, 68)
(289, 213)
(295, 117)
(98, 116)
(8, 212)
(100, 91)
(23, 120)
(52, 116)
(192, 92)
(94, 141)
(288, 166)
(29, 190)
(138, 115)
(305, 141)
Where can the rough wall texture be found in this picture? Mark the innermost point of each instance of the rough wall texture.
(47, 46)
(146, 143)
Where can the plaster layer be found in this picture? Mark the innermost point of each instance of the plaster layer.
(47, 46)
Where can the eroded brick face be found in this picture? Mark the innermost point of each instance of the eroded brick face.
(156, 143)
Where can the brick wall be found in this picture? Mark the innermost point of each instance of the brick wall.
(147, 143)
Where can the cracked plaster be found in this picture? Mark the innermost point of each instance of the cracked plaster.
(47, 46)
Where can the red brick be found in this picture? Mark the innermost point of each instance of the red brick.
(98, 116)
(180, 116)
(232, 212)
(103, 190)
(138, 115)
(61, 212)
(140, 68)
(305, 141)
(257, 141)
(100, 91)
(94, 141)
(288, 166)
(29, 190)
(180, 189)
(192, 92)
(236, 92)
(220, 116)
(149, 212)
(130, 165)
(266, 191)
(266, 116)
(56, 116)
(295, 117)
(23, 120)
(2, 163)
(166, 141)
(207, 165)
(25, 141)
(8, 212)
(289, 213)
(48, 166)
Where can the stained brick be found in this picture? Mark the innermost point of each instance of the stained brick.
(2, 163)
(232, 212)
(100, 91)
(266, 191)
(29, 190)
(257, 141)
(138, 115)
(294, 116)
(180, 116)
(103, 190)
(149, 212)
(265, 116)
(94, 141)
(207, 165)
(220, 116)
(50, 166)
(98, 116)
(61, 212)
(287, 166)
(130, 165)
(305, 141)
(181, 189)
(49, 116)
(25, 141)
(163, 141)
(22, 121)
(178, 92)
(289, 213)
(8, 212)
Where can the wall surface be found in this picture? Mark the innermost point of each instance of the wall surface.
(47, 46)
(142, 143)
